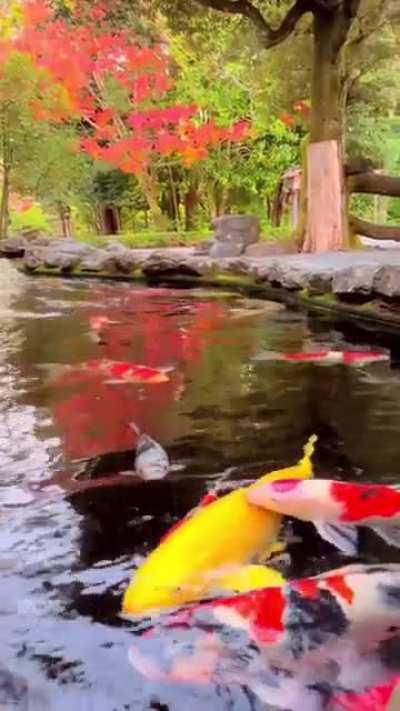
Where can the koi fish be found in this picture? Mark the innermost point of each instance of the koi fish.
(351, 358)
(97, 323)
(151, 460)
(305, 645)
(335, 508)
(183, 569)
(115, 372)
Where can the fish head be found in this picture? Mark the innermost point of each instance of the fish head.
(306, 499)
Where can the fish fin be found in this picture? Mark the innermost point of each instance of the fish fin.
(273, 549)
(308, 450)
(344, 537)
(133, 426)
(390, 534)
(250, 577)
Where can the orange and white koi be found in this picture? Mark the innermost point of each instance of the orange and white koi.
(335, 508)
(300, 646)
(334, 357)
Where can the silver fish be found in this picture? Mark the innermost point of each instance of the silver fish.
(151, 461)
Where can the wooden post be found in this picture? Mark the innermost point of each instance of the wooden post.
(326, 215)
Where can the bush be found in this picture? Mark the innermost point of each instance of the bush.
(32, 219)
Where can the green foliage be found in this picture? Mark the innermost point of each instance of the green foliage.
(148, 238)
(32, 219)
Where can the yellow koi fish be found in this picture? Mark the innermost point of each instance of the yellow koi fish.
(211, 548)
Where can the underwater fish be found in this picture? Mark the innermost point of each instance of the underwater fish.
(151, 460)
(351, 358)
(97, 323)
(115, 372)
(214, 541)
(303, 646)
(335, 508)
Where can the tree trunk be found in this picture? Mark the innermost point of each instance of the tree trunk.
(65, 220)
(149, 185)
(326, 224)
(175, 200)
(5, 201)
(191, 205)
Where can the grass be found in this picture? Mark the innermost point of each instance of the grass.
(147, 238)
(152, 238)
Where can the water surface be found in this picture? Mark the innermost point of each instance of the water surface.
(73, 531)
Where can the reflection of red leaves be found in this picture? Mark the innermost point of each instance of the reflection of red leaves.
(94, 418)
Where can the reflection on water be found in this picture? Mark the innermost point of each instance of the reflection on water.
(72, 534)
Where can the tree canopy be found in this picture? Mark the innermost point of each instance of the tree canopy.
(204, 103)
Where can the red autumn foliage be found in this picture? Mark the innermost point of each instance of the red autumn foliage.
(118, 88)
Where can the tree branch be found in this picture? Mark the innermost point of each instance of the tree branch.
(374, 183)
(269, 36)
(370, 229)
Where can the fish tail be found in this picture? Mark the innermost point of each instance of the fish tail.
(133, 426)
(308, 451)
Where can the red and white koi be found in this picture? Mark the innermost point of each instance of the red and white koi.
(335, 508)
(300, 646)
(334, 357)
(114, 372)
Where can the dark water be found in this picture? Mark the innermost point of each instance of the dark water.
(71, 535)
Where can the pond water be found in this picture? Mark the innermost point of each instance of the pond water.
(73, 531)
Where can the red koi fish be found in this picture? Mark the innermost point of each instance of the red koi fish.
(351, 358)
(305, 645)
(335, 508)
(115, 372)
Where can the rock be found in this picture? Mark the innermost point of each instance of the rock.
(13, 247)
(238, 267)
(204, 246)
(71, 246)
(160, 264)
(40, 242)
(387, 281)
(124, 258)
(270, 249)
(291, 276)
(98, 261)
(240, 229)
(58, 260)
(33, 259)
(354, 280)
(221, 250)
(203, 266)
(319, 282)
